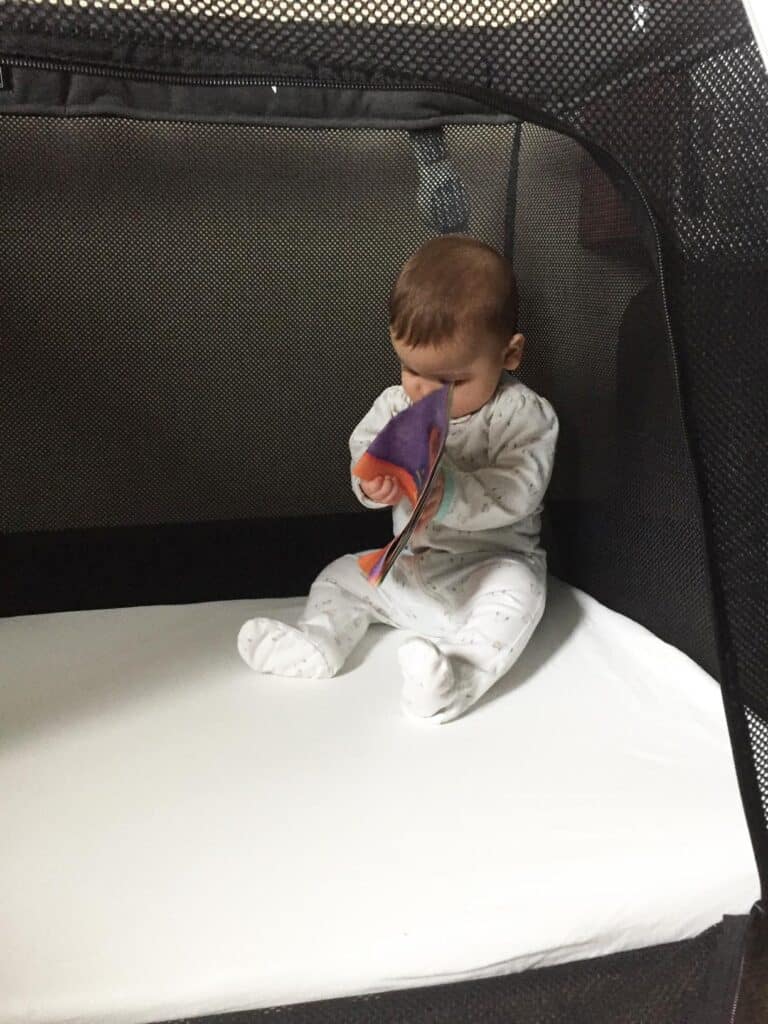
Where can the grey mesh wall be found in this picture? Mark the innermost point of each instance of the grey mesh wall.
(154, 382)
(189, 288)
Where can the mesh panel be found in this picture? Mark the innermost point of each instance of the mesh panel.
(199, 318)
(758, 734)
(190, 289)
(721, 290)
(622, 499)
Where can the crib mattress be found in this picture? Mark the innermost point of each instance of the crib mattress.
(183, 836)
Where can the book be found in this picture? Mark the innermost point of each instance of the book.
(409, 448)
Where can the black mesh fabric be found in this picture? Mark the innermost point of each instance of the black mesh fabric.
(552, 53)
(203, 285)
(758, 734)
(198, 328)
(623, 499)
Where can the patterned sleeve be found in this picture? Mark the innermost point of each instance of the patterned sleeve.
(521, 451)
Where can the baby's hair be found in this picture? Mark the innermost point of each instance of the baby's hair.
(453, 284)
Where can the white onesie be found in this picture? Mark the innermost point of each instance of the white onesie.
(471, 584)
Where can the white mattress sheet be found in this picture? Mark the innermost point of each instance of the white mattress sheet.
(182, 836)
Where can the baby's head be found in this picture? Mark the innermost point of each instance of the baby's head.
(453, 318)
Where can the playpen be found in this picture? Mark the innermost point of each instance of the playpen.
(204, 204)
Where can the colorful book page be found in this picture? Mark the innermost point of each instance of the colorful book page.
(409, 448)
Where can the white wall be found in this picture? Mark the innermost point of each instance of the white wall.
(757, 11)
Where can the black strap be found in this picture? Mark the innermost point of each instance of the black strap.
(442, 198)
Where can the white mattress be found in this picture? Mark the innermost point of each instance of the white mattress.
(182, 836)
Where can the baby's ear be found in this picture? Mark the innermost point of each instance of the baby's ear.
(514, 351)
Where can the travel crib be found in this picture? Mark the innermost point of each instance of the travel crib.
(204, 204)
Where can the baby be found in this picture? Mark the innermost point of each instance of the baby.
(471, 584)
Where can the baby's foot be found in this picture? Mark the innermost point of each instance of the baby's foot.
(429, 685)
(272, 647)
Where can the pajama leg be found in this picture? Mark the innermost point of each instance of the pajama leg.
(338, 611)
(500, 606)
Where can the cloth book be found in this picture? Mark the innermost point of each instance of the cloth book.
(409, 448)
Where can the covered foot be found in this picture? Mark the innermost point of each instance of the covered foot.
(267, 645)
(429, 687)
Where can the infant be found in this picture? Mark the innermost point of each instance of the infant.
(470, 586)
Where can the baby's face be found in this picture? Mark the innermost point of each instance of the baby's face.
(473, 368)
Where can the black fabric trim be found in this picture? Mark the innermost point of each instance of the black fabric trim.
(74, 570)
(108, 66)
(752, 1002)
(725, 971)
(73, 94)
(744, 761)
(577, 82)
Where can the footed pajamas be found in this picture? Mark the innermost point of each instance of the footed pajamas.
(470, 586)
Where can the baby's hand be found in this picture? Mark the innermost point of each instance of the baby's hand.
(383, 489)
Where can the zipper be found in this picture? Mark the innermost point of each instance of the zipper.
(171, 78)
(757, 911)
(736, 994)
